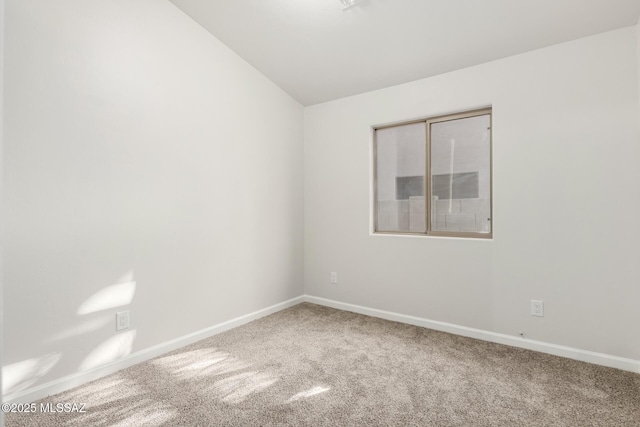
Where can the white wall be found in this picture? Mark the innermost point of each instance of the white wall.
(146, 166)
(565, 200)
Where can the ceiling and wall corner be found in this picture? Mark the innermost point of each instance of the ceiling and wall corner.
(317, 52)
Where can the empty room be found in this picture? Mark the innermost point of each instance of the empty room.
(320, 213)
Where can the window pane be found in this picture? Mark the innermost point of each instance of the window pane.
(461, 175)
(400, 166)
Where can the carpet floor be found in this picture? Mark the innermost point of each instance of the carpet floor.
(315, 366)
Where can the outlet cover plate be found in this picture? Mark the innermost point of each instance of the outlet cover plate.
(537, 308)
(122, 320)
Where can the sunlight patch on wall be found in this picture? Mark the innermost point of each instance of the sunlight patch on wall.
(21, 375)
(112, 349)
(83, 328)
(308, 393)
(117, 295)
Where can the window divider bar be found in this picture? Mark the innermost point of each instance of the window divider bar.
(427, 179)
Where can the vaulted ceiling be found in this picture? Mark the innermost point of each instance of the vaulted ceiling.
(316, 51)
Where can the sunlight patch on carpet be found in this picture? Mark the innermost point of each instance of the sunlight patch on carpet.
(308, 393)
(126, 412)
(106, 390)
(200, 363)
(237, 388)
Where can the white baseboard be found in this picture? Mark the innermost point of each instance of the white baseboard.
(622, 363)
(65, 383)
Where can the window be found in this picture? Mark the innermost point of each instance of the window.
(433, 176)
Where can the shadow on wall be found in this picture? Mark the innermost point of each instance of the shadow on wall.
(21, 375)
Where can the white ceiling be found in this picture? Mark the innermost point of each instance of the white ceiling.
(317, 52)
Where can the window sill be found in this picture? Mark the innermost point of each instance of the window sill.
(488, 238)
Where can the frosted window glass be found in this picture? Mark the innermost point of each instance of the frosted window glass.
(461, 175)
(400, 168)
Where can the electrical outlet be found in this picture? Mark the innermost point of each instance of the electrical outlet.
(334, 277)
(122, 320)
(537, 308)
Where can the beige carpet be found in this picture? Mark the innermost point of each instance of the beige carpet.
(315, 366)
